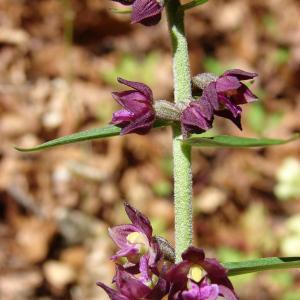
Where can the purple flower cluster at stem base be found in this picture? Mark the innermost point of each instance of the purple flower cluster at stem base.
(146, 12)
(142, 271)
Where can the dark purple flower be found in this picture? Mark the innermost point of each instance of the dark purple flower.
(197, 117)
(199, 278)
(227, 93)
(146, 12)
(137, 247)
(137, 115)
(129, 287)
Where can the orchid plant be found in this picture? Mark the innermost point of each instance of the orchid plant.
(147, 266)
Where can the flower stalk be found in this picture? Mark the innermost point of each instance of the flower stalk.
(181, 153)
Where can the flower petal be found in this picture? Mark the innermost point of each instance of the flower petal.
(161, 289)
(141, 125)
(113, 295)
(144, 270)
(155, 254)
(194, 255)
(147, 12)
(228, 115)
(193, 119)
(122, 116)
(216, 273)
(230, 105)
(209, 292)
(132, 100)
(210, 95)
(125, 252)
(227, 83)
(119, 234)
(213, 268)
(139, 220)
(177, 273)
(138, 86)
(193, 293)
(131, 287)
(240, 74)
(205, 107)
(244, 95)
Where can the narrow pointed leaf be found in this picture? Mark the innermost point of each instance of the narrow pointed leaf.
(234, 141)
(121, 11)
(262, 264)
(91, 134)
(193, 4)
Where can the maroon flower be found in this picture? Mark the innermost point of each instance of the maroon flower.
(197, 117)
(146, 286)
(137, 115)
(199, 278)
(137, 247)
(227, 93)
(146, 12)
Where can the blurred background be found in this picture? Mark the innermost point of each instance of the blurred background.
(59, 60)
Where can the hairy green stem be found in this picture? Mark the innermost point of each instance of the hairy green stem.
(181, 153)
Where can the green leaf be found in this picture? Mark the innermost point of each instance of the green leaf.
(234, 141)
(262, 264)
(91, 134)
(121, 11)
(192, 4)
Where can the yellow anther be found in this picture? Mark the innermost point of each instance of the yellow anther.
(195, 273)
(122, 260)
(139, 239)
(136, 238)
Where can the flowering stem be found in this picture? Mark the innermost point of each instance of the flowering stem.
(181, 153)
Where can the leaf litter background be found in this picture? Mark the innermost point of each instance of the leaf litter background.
(58, 65)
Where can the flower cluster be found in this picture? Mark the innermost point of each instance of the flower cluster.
(146, 12)
(143, 270)
(221, 96)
